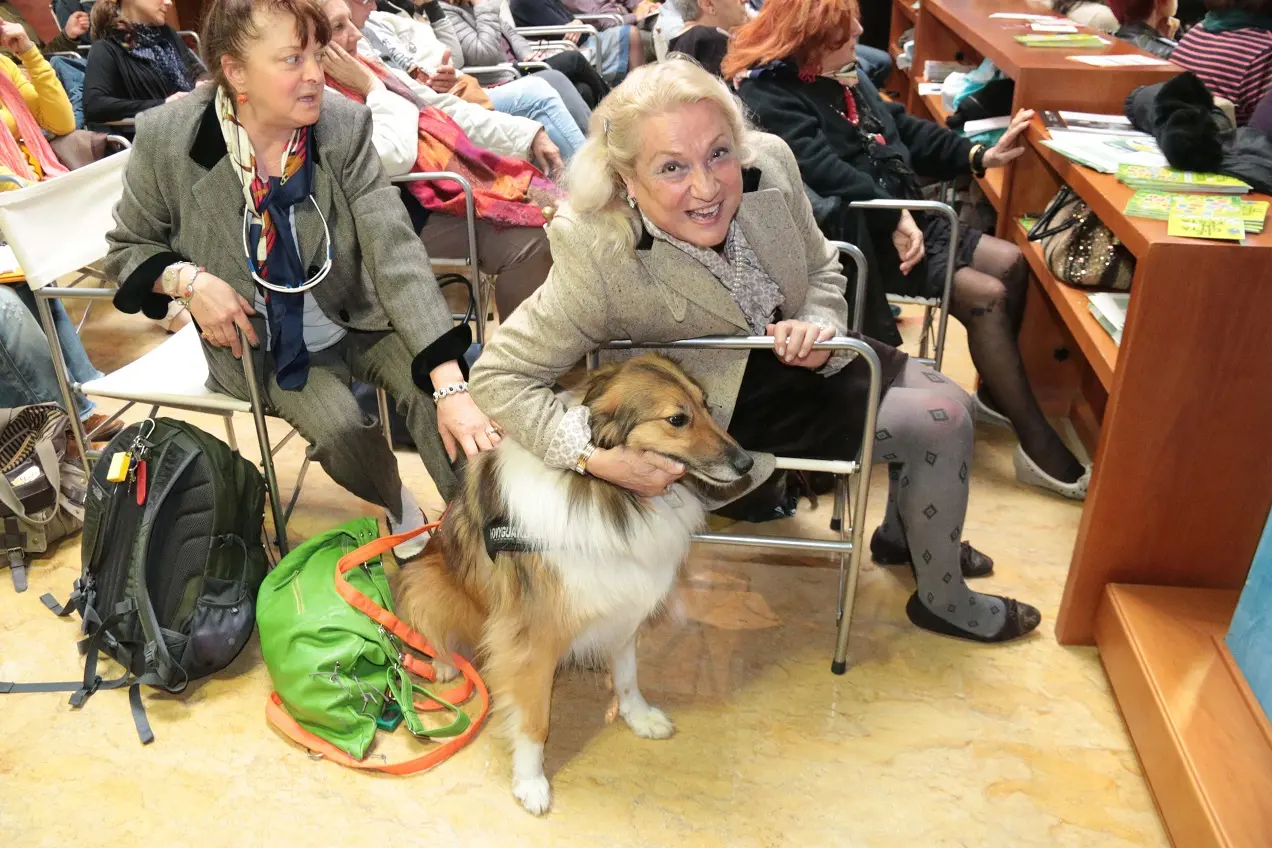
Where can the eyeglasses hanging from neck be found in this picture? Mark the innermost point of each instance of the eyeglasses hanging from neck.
(309, 283)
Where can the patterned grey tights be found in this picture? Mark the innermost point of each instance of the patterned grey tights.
(924, 433)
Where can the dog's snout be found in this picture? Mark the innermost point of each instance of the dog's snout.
(741, 461)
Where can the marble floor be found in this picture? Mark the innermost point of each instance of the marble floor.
(926, 741)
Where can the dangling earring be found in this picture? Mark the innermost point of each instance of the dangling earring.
(240, 98)
(631, 201)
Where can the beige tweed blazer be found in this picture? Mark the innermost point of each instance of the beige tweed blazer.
(659, 294)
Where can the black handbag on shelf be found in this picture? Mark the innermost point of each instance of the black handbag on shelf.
(1079, 249)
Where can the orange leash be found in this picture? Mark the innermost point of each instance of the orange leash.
(283, 720)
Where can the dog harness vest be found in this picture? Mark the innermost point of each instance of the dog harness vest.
(501, 536)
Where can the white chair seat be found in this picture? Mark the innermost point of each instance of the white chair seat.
(921, 301)
(173, 374)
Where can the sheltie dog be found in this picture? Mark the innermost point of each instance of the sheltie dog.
(590, 561)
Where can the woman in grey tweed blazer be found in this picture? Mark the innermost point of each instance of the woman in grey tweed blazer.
(319, 199)
(668, 236)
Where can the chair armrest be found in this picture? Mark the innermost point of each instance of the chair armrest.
(531, 67)
(9, 179)
(532, 32)
(601, 16)
(192, 40)
(501, 68)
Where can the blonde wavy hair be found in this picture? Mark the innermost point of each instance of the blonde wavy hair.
(594, 181)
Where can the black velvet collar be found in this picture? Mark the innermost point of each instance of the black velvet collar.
(750, 182)
(208, 147)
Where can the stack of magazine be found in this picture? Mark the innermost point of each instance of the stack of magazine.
(1109, 309)
(1100, 142)
(1159, 206)
(1193, 205)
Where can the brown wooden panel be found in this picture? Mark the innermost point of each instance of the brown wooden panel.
(1183, 475)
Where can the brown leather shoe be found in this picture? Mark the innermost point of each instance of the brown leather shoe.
(95, 420)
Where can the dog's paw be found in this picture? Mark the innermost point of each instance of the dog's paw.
(444, 672)
(650, 723)
(533, 793)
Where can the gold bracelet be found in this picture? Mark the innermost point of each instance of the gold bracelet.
(580, 467)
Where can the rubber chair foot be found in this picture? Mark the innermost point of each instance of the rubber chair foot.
(838, 667)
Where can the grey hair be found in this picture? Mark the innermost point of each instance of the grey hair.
(688, 9)
(594, 181)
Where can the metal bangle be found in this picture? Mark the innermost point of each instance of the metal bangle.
(580, 467)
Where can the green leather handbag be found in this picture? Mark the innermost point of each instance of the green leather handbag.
(338, 656)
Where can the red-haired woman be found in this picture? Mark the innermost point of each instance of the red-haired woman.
(795, 67)
(1148, 24)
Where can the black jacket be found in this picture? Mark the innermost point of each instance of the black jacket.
(810, 117)
(118, 85)
(834, 163)
(1146, 38)
(707, 45)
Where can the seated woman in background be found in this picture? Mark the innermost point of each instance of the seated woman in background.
(136, 62)
(796, 57)
(1148, 24)
(264, 149)
(532, 99)
(488, 36)
(547, 98)
(1231, 52)
(31, 104)
(680, 222)
(411, 135)
(620, 47)
(1086, 12)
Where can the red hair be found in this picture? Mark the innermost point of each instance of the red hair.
(805, 30)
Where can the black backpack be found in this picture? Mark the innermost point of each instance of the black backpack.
(172, 561)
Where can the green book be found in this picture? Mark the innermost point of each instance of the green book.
(1070, 39)
(1159, 206)
(1152, 178)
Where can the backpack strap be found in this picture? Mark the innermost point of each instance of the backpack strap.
(283, 721)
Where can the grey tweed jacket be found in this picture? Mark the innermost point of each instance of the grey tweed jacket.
(182, 201)
(659, 294)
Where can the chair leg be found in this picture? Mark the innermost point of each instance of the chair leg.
(837, 517)
(925, 335)
(229, 433)
(300, 481)
(64, 383)
(848, 587)
(382, 404)
(262, 438)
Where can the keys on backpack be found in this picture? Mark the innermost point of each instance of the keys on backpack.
(120, 467)
(139, 477)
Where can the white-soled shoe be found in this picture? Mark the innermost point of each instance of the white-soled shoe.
(1028, 472)
(985, 415)
(409, 550)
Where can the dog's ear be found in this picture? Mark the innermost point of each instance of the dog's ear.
(612, 423)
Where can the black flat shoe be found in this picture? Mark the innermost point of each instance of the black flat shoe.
(1021, 619)
(972, 562)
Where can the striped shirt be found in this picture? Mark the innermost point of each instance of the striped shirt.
(1236, 65)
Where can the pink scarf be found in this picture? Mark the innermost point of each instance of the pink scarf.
(11, 153)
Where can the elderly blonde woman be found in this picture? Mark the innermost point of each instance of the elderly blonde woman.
(681, 222)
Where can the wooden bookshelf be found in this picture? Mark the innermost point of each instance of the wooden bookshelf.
(1097, 345)
(1177, 421)
(1190, 712)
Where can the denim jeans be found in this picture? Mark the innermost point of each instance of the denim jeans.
(70, 73)
(26, 363)
(534, 98)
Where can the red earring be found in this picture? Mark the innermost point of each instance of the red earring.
(241, 98)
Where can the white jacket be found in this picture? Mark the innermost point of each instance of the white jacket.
(397, 141)
(407, 43)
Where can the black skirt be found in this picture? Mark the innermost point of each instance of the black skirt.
(928, 280)
(790, 411)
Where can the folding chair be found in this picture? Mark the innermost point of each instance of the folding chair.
(930, 305)
(848, 491)
(537, 35)
(474, 275)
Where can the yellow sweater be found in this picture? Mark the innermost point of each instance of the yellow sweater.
(44, 96)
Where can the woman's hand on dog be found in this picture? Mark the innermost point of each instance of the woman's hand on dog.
(793, 343)
(646, 473)
(459, 421)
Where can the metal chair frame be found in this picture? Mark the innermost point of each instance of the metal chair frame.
(930, 305)
(849, 496)
(534, 33)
